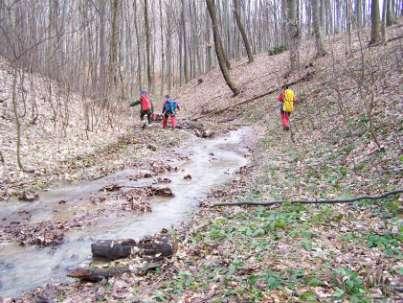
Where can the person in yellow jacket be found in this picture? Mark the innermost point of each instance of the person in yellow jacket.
(287, 99)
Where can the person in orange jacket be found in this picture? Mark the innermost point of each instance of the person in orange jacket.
(287, 98)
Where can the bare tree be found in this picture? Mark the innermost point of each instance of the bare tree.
(237, 14)
(113, 54)
(218, 47)
(136, 28)
(148, 47)
(390, 12)
(375, 23)
(293, 34)
(320, 50)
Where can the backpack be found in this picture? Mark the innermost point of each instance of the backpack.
(145, 103)
(288, 100)
(170, 107)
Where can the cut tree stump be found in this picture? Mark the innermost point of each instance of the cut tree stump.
(112, 250)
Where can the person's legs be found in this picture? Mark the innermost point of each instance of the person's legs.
(287, 120)
(283, 119)
(165, 121)
(149, 116)
(173, 121)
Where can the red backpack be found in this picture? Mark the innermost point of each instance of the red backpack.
(145, 103)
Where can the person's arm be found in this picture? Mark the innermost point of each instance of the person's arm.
(280, 97)
(135, 103)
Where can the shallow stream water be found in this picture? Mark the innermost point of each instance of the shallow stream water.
(211, 162)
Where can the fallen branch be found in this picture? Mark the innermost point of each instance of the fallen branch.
(317, 201)
(306, 77)
(395, 38)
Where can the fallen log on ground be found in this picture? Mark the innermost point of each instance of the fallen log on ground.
(112, 250)
(98, 274)
(306, 77)
(316, 201)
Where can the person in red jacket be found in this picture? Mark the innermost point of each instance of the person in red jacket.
(146, 107)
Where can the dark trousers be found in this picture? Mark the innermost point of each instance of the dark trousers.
(146, 112)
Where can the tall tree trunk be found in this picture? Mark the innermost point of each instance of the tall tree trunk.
(242, 30)
(384, 19)
(162, 51)
(150, 77)
(349, 8)
(218, 47)
(358, 12)
(320, 50)
(209, 57)
(364, 13)
(390, 12)
(102, 48)
(113, 54)
(293, 34)
(168, 15)
(275, 19)
(136, 28)
(284, 34)
(375, 23)
(184, 44)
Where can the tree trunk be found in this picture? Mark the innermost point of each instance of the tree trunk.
(168, 15)
(150, 77)
(162, 52)
(209, 57)
(218, 47)
(358, 12)
(113, 55)
(136, 28)
(384, 20)
(320, 50)
(113, 250)
(102, 54)
(17, 123)
(375, 23)
(390, 13)
(242, 30)
(293, 34)
(284, 34)
(184, 44)
(349, 8)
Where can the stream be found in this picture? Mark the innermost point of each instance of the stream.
(210, 163)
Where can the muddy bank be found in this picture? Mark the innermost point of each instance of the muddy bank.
(208, 162)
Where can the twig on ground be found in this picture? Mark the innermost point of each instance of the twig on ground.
(317, 201)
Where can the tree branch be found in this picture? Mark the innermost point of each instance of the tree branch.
(306, 77)
(316, 201)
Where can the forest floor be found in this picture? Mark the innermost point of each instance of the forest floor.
(346, 140)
